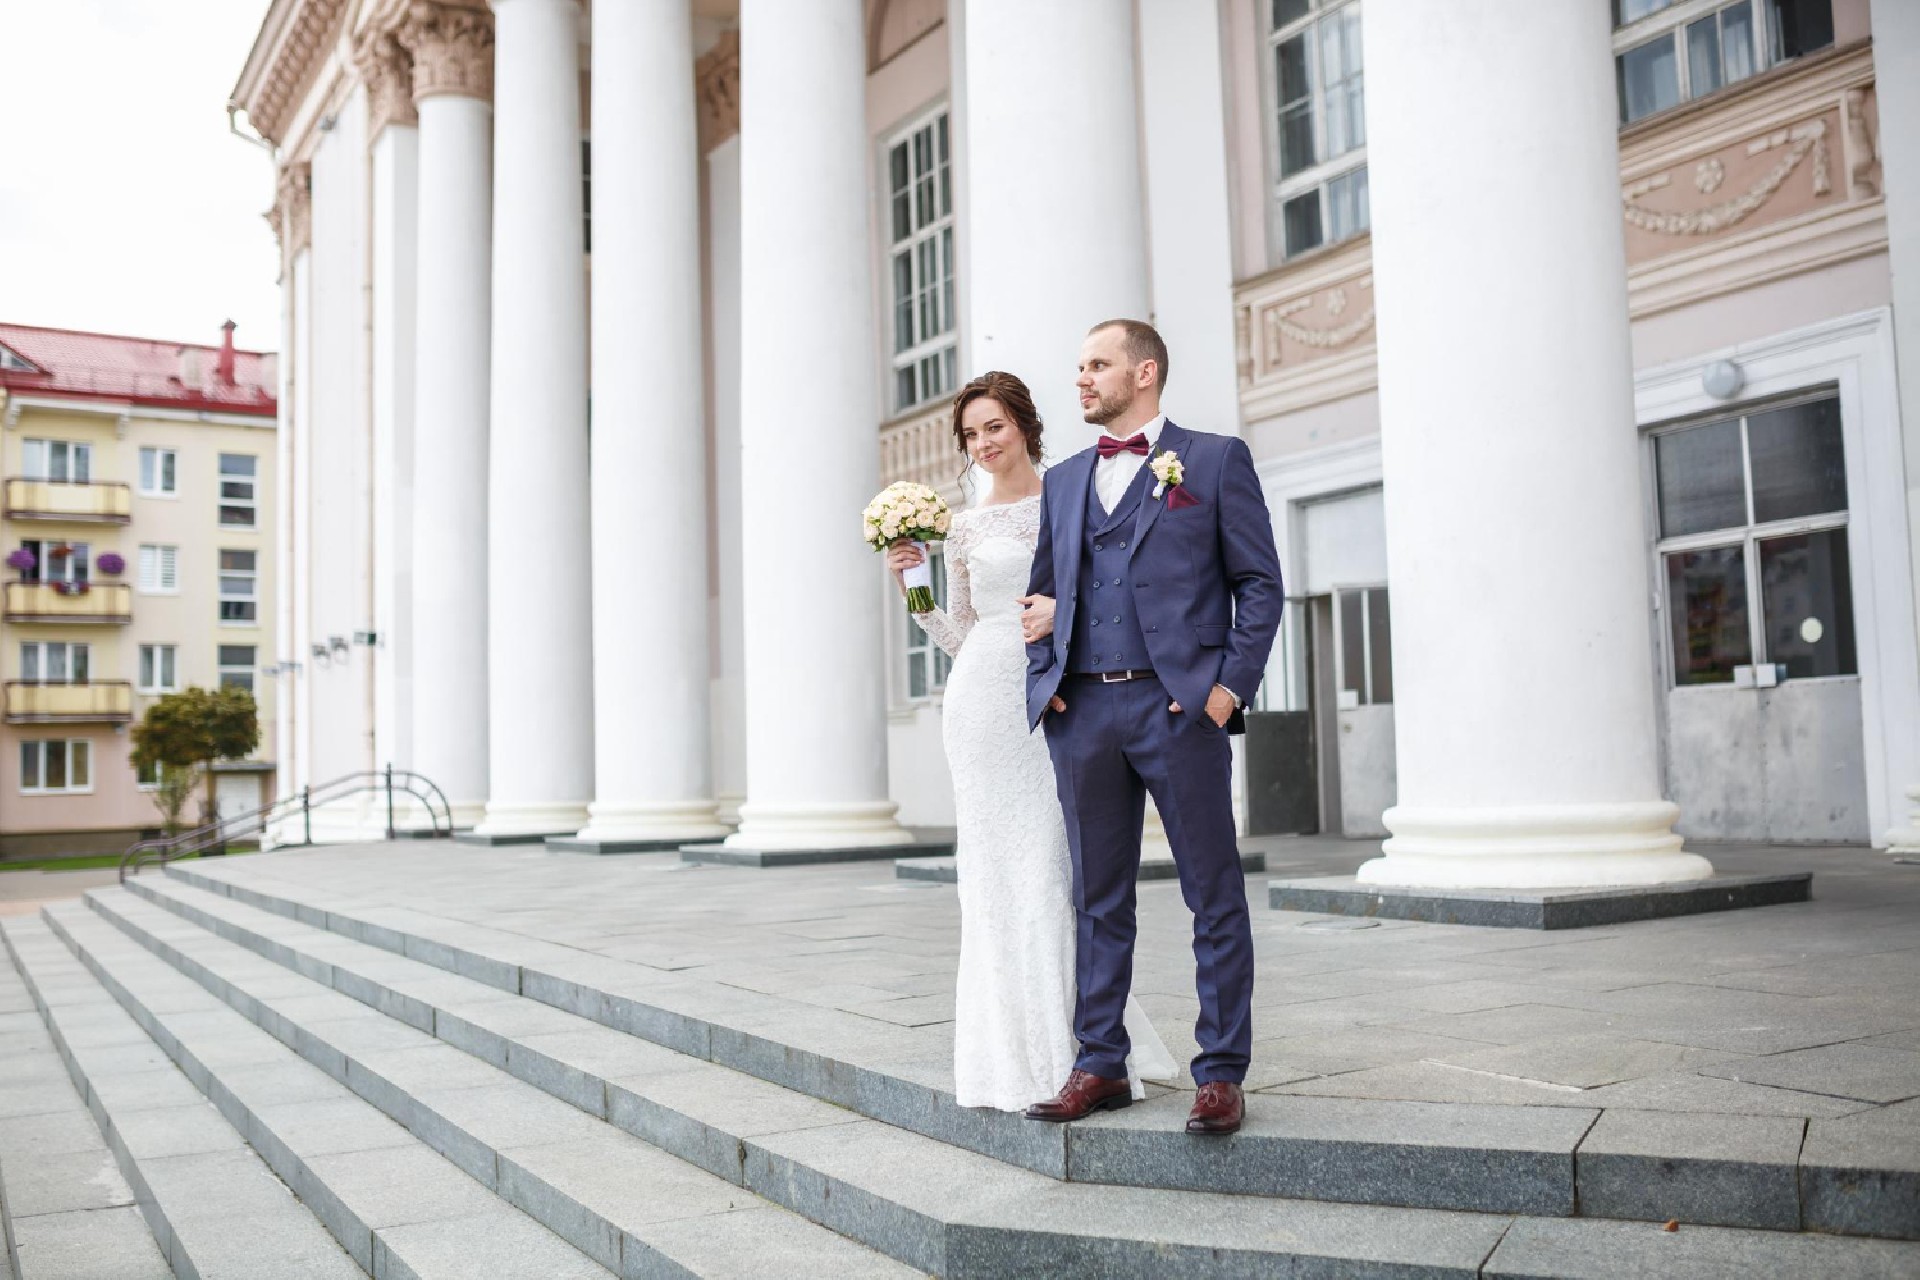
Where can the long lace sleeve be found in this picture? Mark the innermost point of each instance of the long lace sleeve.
(949, 627)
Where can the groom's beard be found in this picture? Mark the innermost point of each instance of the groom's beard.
(1107, 408)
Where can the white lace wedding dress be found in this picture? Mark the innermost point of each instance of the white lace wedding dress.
(1013, 1039)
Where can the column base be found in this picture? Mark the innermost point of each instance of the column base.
(513, 819)
(1904, 842)
(767, 828)
(667, 823)
(1540, 847)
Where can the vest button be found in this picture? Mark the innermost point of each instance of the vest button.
(1123, 546)
(1096, 622)
(1116, 617)
(1098, 547)
(1116, 582)
(1096, 584)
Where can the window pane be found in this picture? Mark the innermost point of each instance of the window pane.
(1736, 41)
(236, 517)
(29, 766)
(1798, 27)
(167, 656)
(166, 470)
(147, 673)
(81, 772)
(1707, 612)
(902, 301)
(1703, 57)
(1285, 11)
(236, 561)
(79, 663)
(897, 176)
(1296, 109)
(1799, 461)
(1702, 482)
(1300, 219)
(236, 655)
(1347, 204)
(54, 762)
(149, 469)
(238, 464)
(29, 661)
(902, 218)
(1353, 647)
(1807, 593)
(903, 387)
(1649, 79)
(917, 674)
(1380, 646)
(1625, 11)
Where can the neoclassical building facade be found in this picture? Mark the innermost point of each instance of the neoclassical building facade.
(1564, 336)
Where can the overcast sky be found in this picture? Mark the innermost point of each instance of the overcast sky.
(125, 205)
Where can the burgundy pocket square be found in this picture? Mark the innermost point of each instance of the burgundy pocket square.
(1178, 497)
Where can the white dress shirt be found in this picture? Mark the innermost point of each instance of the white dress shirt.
(1111, 476)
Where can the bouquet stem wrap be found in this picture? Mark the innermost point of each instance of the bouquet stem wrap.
(919, 582)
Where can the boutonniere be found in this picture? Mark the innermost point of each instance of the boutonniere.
(1167, 470)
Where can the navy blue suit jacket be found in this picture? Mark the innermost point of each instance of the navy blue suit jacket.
(1206, 577)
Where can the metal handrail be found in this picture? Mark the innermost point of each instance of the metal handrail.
(164, 849)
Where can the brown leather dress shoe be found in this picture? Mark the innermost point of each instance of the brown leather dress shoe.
(1083, 1094)
(1218, 1108)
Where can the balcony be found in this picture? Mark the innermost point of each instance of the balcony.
(50, 702)
(71, 501)
(82, 602)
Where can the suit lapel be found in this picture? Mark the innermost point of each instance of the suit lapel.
(1069, 528)
(1172, 440)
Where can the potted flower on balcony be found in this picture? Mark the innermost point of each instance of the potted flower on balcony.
(111, 563)
(59, 551)
(21, 560)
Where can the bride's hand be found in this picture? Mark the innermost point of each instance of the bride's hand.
(1036, 622)
(901, 556)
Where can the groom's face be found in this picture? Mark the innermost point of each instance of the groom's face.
(1107, 383)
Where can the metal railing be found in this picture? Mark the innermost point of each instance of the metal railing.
(299, 806)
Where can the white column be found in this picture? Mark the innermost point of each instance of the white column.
(728, 609)
(539, 652)
(1183, 97)
(453, 84)
(1054, 201)
(1523, 673)
(651, 664)
(1896, 58)
(816, 719)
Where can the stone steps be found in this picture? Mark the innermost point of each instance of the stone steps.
(57, 1176)
(212, 1206)
(1758, 1172)
(926, 1202)
(613, 1204)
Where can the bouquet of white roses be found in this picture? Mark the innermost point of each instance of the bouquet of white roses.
(913, 512)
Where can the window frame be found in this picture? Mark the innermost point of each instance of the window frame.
(162, 456)
(250, 504)
(77, 451)
(164, 553)
(79, 553)
(939, 663)
(1368, 695)
(942, 231)
(251, 599)
(226, 673)
(67, 745)
(155, 650)
(42, 652)
(1317, 178)
(1671, 24)
(1748, 537)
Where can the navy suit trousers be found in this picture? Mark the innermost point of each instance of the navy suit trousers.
(1114, 744)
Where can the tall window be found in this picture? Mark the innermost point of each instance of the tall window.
(239, 601)
(157, 471)
(54, 767)
(159, 668)
(1753, 546)
(1321, 124)
(1671, 51)
(159, 569)
(927, 662)
(237, 506)
(54, 661)
(920, 215)
(236, 666)
(56, 560)
(56, 460)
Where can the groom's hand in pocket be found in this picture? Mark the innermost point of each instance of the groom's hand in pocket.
(1220, 704)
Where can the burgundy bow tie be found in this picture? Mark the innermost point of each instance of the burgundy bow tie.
(1107, 446)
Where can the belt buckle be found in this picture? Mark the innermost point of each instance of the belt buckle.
(1115, 677)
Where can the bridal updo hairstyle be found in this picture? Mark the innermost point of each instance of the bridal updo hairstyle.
(1013, 397)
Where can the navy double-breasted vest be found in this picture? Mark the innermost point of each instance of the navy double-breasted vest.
(1106, 626)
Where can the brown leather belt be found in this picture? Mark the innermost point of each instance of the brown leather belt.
(1114, 677)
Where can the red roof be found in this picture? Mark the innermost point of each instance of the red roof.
(142, 371)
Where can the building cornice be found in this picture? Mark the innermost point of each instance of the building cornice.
(293, 44)
(386, 68)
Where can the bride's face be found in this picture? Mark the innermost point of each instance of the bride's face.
(993, 441)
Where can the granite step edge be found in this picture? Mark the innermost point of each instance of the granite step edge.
(653, 1247)
(190, 1242)
(1538, 1170)
(846, 1194)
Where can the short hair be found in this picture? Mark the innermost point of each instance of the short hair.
(1143, 342)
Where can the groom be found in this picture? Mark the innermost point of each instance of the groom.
(1158, 548)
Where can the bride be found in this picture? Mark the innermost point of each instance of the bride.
(1013, 1002)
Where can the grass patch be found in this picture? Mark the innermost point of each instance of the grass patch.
(93, 861)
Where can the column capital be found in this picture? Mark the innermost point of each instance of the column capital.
(292, 212)
(716, 82)
(452, 48)
(386, 68)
